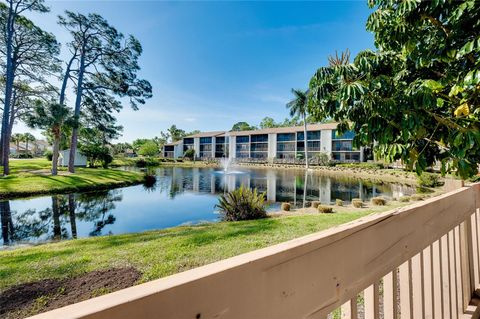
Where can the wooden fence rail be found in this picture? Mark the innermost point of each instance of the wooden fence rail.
(420, 261)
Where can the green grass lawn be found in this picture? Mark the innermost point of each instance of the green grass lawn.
(159, 253)
(31, 177)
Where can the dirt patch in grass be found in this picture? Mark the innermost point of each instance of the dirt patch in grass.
(35, 297)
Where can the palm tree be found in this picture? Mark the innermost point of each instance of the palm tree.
(28, 137)
(298, 106)
(17, 138)
(52, 117)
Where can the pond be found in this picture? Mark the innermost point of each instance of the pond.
(180, 196)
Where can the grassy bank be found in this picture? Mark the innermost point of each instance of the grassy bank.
(32, 177)
(159, 253)
(155, 161)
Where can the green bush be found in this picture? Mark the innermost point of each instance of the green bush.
(404, 199)
(315, 203)
(190, 154)
(428, 180)
(48, 155)
(379, 201)
(357, 202)
(285, 206)
(323, 159)
(242, 204)
(325, 209)
(362, 165)
(339, 202)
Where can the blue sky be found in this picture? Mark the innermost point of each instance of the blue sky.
(212, 64)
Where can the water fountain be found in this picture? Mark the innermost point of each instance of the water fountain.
(225, 163)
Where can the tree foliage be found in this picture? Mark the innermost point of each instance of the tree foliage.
(417, 95)
(149, 148)
(53, 118)
(28, 54)
(103, 65)
(243, 126)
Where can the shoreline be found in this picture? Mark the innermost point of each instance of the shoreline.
(385, 175)
(19, 186)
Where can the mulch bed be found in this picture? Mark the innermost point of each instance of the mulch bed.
(40, 296)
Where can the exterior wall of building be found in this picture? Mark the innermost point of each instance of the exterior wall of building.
(196, 146)
(179, 150)
(326, 141)
(268, 145)
(232, 147)
(214, 144)
(272, 146)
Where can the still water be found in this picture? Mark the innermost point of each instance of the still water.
(180, 196)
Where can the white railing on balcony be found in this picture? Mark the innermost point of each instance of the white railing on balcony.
(420, 261)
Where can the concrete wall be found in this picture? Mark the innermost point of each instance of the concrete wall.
(232, 147)
(213, 146)
(178, 150)
(272, 146)
(196, 146)
(326, 141)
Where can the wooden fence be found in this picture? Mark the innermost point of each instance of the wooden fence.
(420, 261)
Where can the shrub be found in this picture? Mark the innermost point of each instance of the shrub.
(149, 180)
(404, 199)
(379, 201)
(362, 165)
(149, 148)
(190, 154)
(428, 180)
(339, 202)
(325, 209)
(357, 202)
(141, 163)
(315, 203)
(286, 207)
(417, 197)
(48, 155)
(323, 159)
(242, 204)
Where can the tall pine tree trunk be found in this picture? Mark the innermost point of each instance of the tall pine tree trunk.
(78, 102)
(8, 90)
(56, 146)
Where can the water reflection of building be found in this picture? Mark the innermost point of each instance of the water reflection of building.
(278, 185)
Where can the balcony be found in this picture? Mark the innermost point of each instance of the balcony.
(420, 261)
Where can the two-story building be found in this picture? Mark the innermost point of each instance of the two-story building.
(269, 144)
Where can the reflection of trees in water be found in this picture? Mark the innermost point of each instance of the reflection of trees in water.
(7, 223)
(95, 207)
(53, 222)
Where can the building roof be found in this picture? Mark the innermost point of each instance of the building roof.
(207, 134)
(291, 129)
(173, 143)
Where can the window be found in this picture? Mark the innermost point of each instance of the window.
(342, 146)
(311, 136)
(286, 137)
(243, 139)
(348, 135)
(205, 140)
(259, 138)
